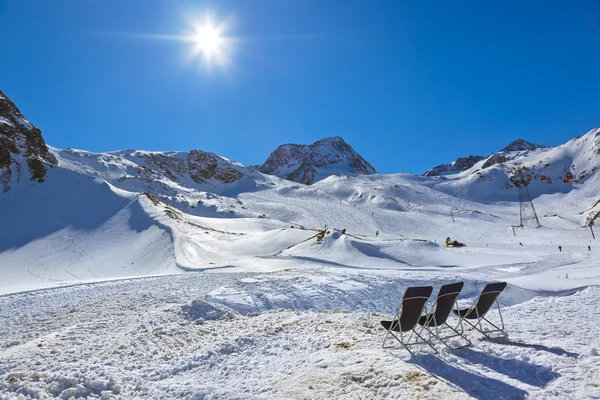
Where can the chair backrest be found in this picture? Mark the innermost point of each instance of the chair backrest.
(488, 295)
(445, 300)
(413, 302)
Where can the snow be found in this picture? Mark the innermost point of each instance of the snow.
(124, 279)
(5, 121)
(92, 341)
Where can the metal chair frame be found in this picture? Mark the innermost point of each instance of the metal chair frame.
(396, 322)
(457, 332)
(478, 325)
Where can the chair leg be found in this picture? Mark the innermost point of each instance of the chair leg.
(407, 343)
(480, 328)
(461, 334)
(399, 341)
(498, 329)
(425, 341)
(456, 334)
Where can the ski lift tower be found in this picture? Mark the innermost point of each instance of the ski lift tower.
(526, 209)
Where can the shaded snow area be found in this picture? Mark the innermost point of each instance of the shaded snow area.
(294, 334)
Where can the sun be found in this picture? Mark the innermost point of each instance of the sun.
(208, 39)
(210, 42)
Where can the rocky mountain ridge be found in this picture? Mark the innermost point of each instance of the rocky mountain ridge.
(21, 144)
(310, 163)
(464, 163)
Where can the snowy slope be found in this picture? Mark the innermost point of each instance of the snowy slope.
(135, 213)
(272, 228)
(186, 179)
(548, 170)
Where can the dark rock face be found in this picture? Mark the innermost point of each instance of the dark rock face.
(464, 163)
(172, 167)
(20, 141)
(204, 166)
(521, 145)
(494, 159)
(310, 163)
(461, 164)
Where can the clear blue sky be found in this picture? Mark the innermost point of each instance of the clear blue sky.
(409, 84)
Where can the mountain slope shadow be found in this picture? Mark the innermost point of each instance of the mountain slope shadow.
(65, 199)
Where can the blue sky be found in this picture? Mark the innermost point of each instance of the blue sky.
(409, 84)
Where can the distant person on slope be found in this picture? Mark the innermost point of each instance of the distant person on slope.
(589, 248)
(560, 248)
(520, 244)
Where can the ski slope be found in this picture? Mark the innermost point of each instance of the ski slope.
(80, 228)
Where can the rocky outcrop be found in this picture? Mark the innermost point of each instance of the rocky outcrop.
(520, 145)
(465, 163)
(461, 164)
(203, 166)
(498, 158)
(20, 142)
(310, 163)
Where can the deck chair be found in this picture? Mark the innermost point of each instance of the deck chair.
(480, 308)
(407, 318)
(445, 301)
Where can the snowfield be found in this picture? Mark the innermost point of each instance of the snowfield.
(235, 336)
(139, 275)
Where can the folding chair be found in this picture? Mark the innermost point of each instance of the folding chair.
(480, 308)
(445, 300)
(407, 318)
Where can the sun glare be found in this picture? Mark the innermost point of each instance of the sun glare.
(210, 42)
(208, 39)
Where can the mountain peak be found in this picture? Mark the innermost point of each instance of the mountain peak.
(521, 145)
(330, 139)
(310, 163)
(464, 163)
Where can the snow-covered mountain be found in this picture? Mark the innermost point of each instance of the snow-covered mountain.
(93, 216)
(521, 145)
(464, 163)
(114, 235)
(186, 180)
(565, 176)
(311, 163)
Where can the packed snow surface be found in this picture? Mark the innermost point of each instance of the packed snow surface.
(311, 334)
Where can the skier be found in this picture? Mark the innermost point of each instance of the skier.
(560, 248)
(377, 233)
(520, 244)
(589, 248)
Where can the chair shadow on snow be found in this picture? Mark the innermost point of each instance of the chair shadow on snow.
(554, 350)
(475, 385)
(531, 374)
